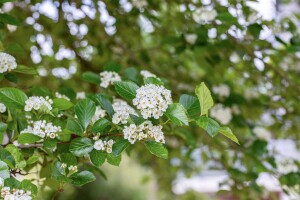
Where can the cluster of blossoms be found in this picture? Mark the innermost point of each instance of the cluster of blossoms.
(251, 93)
(99, 113)
(104, 145)
(286, 165)
(61, 96)
(221, 90)
(204, 15)
(7, 62)
(221, 113)
(42, 129)
(37, 103)
(80, 95)
(147, 74)
(15, 194)
(152, 100)
(139, 3)
(122, 111)
(71, 168)
(108, 78)
(262, 133)
(143, 131)
(190, 38)
(2, 108)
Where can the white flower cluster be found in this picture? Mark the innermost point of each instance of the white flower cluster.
(61, 96)
(80, 95)
(147, 74)
(152, 100)
(262, 133)
(222, 90)
(221, 113)
(122, 111)
(7, 62)
(104, 145)
(42, 129)
(100, 113)
(286, 165)
(108, 78)
(2, 108)
(15, 194)
(190, 38)
(204, 15)
(36, 103)
(71, 168)
(139, 3)
(144, 131)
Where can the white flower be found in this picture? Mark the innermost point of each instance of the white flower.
(108, 78)
(42, 129)
(285, 166)
(7, 62)
(80, 95)
(221, 90)
(190, 38)
(262, 133)
(100, 113)
(144, 131)
(37, 103)
(104, 145)
(2, 108)
(152, 100)
(1, 182)
(147, 74)
(61, 96)
(139, 3)
(251, 93)
(221, 113)
(204, 15)
(63, 165)
(15, 194)
(73, 169)
(122, 111)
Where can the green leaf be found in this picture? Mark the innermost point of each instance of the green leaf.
(22, 69)
(114, 160)
(17, 154)
(103, 101)
(28, 138)
(97, 157)
(226, 17)
(100, 125)
(11, 77)
(137, 119)
(226, 131)
(177, 114)
(7, 157)
(8, 19)
(13, 98)
(4, 170)
(211, 126)
(82, 178)
(112, 66)
(119, 146)
(81, 146)
(191, 104)
(3, 128)
(91, 77)
(75, 127)
(32, 159)
(61, 104)
(157, 149)
(205, 99)
(11, 182)
(68, 158)
(126, 89)
(153, 80)
(50, 144)
(27, 185)
(85, 110)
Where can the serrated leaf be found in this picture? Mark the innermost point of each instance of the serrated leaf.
(226, 131)
(6, 157)
(119, 146)
(100, 125)
(114, 160)
(68, 158)
(61, 104)
(4, 170)
(103, 101)
(81, 146)
(177, 114)
(22, 69)
(205, 98)
(126, 89)
(91, 77)
(12, 98)
(153, 80)
(82, 178)
(27, 185)
(157, 149)
(85, 110)
(191, 104)
(211, 126)
(75, 127)
(28, 138)
(97, 157)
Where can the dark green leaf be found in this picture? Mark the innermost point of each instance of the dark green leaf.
(8, 19)
(119, 146)
(75, 127)
(126, 89)
(100, 125)
(211, 126)
(25, 70)
(82, 178)
(81, 146)
(103, 101)
(114, 160)
(13, 98)
(157, 149)
(97, 157)
(61, 104)
(85, 110)
(153, 80)
(191, 104)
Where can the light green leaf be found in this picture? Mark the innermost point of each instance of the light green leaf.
(82, 178)
(4, 170)
(91, 77)
(205, 99)
(81, 146)
(114, 160)
(97, 157)
(119, 146)
(157, 149)
(13, 98)
(27, 185)
(177, 114)
(75, 127)
(28, 138)
(126, 89)
(85, 110)
(191, 104)
(226, 131)
(153, 80)
(22, 69)
(211, 126)
(62, 104)
(68, 158)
